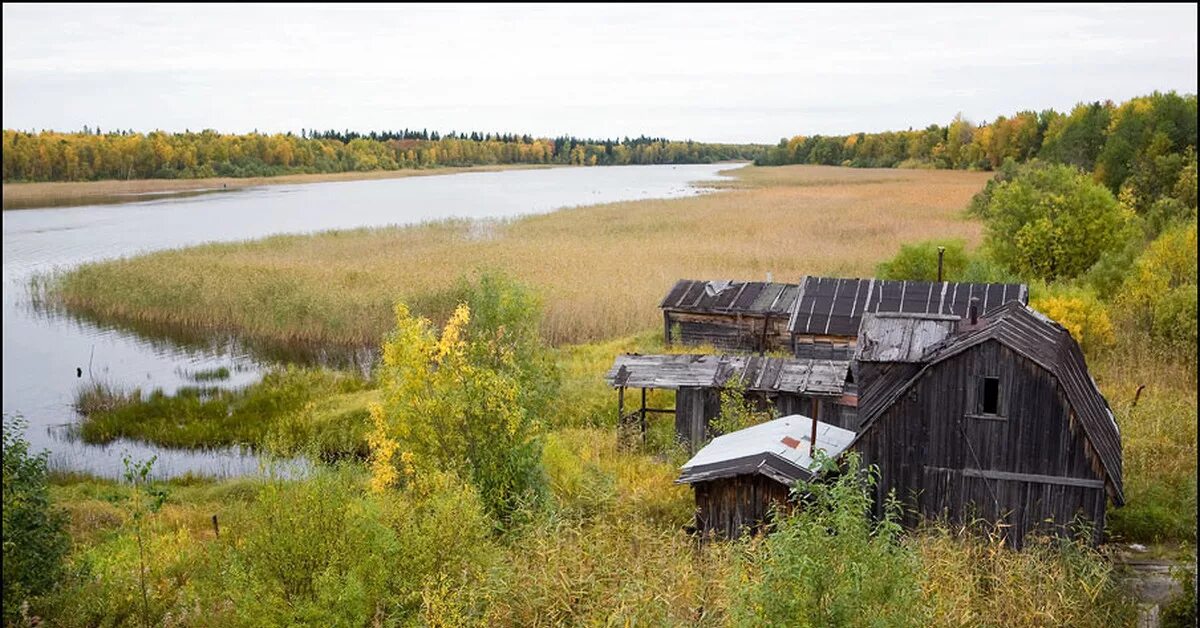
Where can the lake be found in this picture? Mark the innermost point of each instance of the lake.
(49, 355)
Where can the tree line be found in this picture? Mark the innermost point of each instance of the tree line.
(1116, 142)
(93, 155)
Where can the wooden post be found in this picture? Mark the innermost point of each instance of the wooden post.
(812, 440)
(667, 327)
(620, 405)
(216, 528)
(642, 412)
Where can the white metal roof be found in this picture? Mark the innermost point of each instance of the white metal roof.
(785, 440)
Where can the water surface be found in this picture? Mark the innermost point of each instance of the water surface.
(43, 349)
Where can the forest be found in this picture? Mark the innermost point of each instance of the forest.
(94, 155)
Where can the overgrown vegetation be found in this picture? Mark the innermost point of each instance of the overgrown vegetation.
(34, 535)
(288, 409)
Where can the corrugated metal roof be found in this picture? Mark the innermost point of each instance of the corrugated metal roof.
(901, 337)
(731, 297)
(1041, 340)
(778, 449)
(756, 373)
(828, 306)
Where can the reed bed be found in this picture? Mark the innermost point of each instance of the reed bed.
(601, 269)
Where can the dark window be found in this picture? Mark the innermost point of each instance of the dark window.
(990, 402)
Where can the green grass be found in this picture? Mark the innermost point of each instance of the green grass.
(270, 412)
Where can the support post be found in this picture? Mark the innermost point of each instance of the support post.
(941, 255)
(812, 440)
(667, 327)
(620, 405)
(642, 414)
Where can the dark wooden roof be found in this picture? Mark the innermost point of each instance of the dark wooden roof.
(1042, 341)
(828, 306)
(755, 298)
(756, 373)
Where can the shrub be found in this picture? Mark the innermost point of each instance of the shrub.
(828, 564)
(469, 399)
(1053, 222)
(738, 411)
(34, 533)
(1160, 292)
(918, 262)
(1080, 311)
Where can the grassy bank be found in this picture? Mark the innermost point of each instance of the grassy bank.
(609, 548)
(64, 194)
(601, 270)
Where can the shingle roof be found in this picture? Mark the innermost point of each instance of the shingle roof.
(1041, 340)
(778, 449)
(757, 373)
(828, 306)
(731, 297)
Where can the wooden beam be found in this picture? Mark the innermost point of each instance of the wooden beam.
(1032, 477)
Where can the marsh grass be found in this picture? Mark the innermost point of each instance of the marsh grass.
(601, 270)
(208, 416)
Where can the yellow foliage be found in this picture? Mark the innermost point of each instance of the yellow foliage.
(1081, 314)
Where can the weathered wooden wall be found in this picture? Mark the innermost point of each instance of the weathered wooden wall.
(730, 332)
(694, 408)
(729, 507)
(1027, 464)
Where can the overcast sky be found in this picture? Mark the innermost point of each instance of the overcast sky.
(705, 72)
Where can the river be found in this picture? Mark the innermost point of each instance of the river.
(49, 355)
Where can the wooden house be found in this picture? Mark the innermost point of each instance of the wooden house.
(816, 387)
(739, 477)
(999, 422)
(729, 315)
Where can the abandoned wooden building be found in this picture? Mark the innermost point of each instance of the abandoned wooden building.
(1000, 422)
(729, 315)
(818, 318)
(815, 387)
(739, 477)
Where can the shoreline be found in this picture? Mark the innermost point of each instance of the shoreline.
(43, 195)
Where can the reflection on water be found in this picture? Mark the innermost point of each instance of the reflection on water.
(46, 350)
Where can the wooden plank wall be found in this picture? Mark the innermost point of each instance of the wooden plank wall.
(730, 332)
(729, 507)
(931, 446)
(694, 408)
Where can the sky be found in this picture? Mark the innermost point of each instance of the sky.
(720, 73)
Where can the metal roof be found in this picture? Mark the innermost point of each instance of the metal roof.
(756, 373)
(901, 337)
(1041, 340)
(755, 298)
(778, 449)
(828, 306)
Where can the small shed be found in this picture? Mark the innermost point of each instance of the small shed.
(739, 477)
(790, 385)
(1001, 423)
(827, 312)
(729, 315)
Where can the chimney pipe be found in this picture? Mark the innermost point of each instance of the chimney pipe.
(974, 311)
(769, 278)
(941, 255)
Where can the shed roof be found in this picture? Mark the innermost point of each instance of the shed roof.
(755, 298)
(778, 449)
(756, 373)
(900, 336)
(1044, 342)
(834, 307)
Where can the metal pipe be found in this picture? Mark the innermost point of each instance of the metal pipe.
(812, 439)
